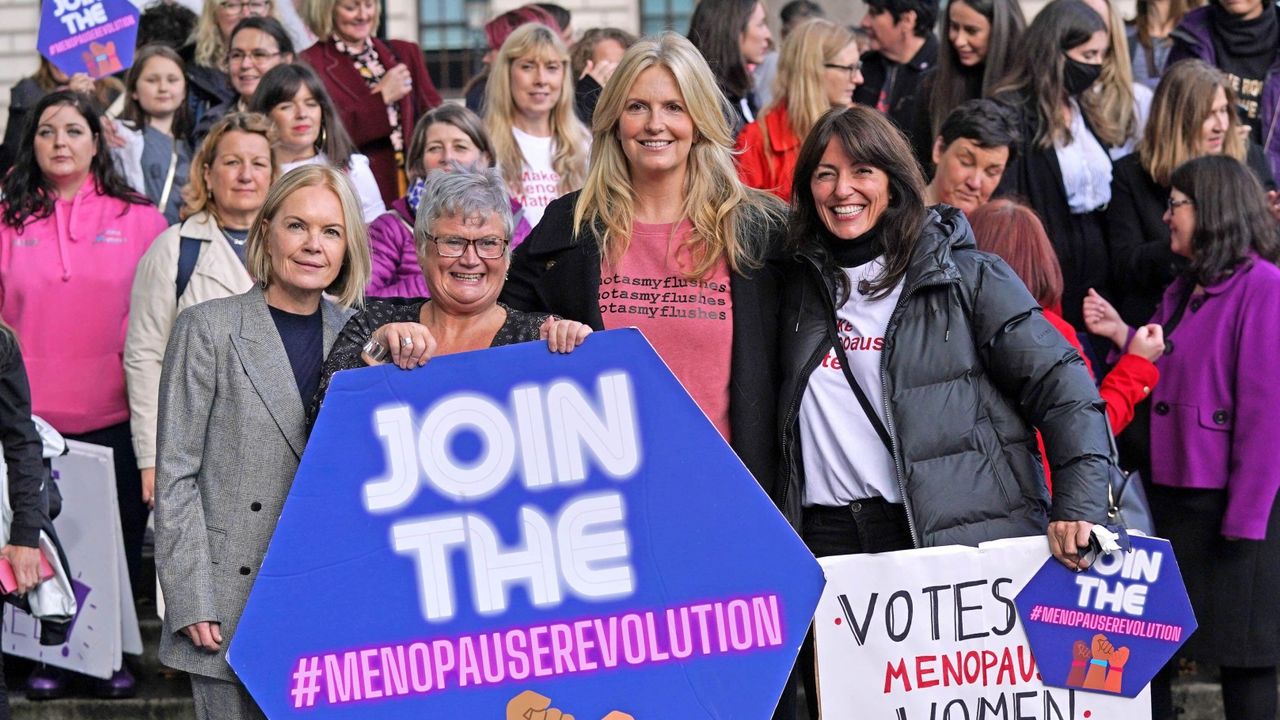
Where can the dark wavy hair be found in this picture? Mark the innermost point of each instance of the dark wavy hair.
(951, 83)
(1232, 218)
(1035, 77)
(29, 195)
(715, 29)
(281, 84)
(867, 137)
(133, 113)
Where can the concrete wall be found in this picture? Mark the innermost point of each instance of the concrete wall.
(19, 20)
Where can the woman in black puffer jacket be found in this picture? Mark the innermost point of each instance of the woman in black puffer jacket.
(951, 353)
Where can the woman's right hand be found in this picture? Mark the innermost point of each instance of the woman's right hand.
(81, 83)
(599, 72)
(1148, 342)
(395, 84)
(148, 487)
(205, 635)
(410, 344)
(1101, 318)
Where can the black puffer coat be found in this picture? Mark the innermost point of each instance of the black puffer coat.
(970, 365)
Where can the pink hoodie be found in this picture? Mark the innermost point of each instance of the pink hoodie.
(66, 280)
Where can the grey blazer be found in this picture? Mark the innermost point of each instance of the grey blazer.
(231, 431)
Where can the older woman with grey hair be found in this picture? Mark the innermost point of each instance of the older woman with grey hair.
(463, 240)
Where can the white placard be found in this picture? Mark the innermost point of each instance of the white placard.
(89, 528)
(933, 635)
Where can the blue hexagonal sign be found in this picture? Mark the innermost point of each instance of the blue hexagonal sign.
(88, 36)
(1111, 628)
(509, 532)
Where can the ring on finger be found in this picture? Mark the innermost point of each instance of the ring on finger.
(406, 342)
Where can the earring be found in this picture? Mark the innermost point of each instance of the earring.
(320, 139)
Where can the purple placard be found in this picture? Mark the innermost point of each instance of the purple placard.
(88, 36)
(1111, 628)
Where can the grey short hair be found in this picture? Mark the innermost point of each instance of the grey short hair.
(466, 192)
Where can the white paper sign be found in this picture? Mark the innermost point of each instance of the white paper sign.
(89, 528)
(933, 635)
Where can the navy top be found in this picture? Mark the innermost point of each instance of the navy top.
(303, 338)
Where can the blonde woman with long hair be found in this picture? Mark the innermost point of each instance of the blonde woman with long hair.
(819, 67)
(1193, 114)
(539, 143)
(663, 207)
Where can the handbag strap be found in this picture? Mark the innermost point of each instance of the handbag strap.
(876, 423)
(168, 181)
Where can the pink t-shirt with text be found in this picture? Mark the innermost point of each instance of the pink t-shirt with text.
(689, 322)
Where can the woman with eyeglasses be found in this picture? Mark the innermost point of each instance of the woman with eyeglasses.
(208, 84)
(380, 87)
(463, 232)
(819, 69)
(257, 44)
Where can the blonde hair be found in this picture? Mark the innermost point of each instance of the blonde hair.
(196, 196)
(1109, 104)
(318, 16)
(211, 47)
(730, 221)
(348, 287)
(1183, 101)
(569, 159)
(800, 83)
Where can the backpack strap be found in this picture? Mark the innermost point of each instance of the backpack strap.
(188, 254)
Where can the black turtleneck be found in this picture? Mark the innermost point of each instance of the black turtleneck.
(1245, 50)
(856, 252)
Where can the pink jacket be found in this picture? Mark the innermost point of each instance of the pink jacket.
(66, 281)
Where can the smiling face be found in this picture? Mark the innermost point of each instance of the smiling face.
(298, 122)
(754, 40)
(355, 20)
(850, 197)
(535, 85)
(969, 32)
(1181, 219)
(307, 241)
(251, 55)
(161, 88)
(967, 172)
(447, 144)
(1213, 131)
(64, 147)
(838, 82)
(469, 284)
(239, 174)
(655, 129)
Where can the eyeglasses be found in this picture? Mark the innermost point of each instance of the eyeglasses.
(257, 57)
(487, 248)
(1175, 204)
(850, 70)
(256, 7)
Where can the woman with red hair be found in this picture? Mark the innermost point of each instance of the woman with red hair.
(1014, 232)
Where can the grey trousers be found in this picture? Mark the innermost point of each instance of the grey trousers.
(223, 700)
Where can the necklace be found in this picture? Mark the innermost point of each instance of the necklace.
(238, 242)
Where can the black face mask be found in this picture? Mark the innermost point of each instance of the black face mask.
(1078, 77)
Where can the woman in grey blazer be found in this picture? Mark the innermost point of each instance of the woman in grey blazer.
(238, 373)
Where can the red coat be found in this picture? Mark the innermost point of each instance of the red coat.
(770, 170)
(363, 113)
(1128, 383)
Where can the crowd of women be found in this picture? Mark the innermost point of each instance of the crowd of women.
(945, 272)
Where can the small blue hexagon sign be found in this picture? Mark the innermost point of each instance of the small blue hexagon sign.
(510, 532)
(1112, 627)
(88, 36)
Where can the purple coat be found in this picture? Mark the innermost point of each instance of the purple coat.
(1215, 412)
(396, 272)
(1193, 39)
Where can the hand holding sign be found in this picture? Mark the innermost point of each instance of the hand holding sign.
(529, 705)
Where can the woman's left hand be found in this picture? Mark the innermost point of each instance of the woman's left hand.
(1066, 540)
(411, 344)
(26, 565)
(562, 335)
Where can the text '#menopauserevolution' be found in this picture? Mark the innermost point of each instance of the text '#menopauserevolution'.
(629, 639)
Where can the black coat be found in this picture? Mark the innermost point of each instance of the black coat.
(1142, 264)
(970, 368)
(1034, 177)
(557, 271)
(903, 89)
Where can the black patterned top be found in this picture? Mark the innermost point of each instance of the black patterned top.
(345, 355)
